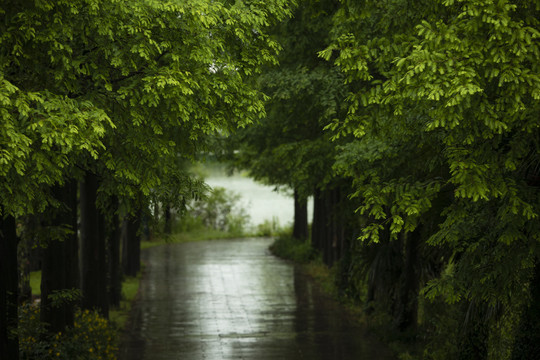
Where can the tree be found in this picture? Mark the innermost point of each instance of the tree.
(457, 83)
(40, 130)
(9, 342)
(60, 268)
(149, 76)
(288, 148)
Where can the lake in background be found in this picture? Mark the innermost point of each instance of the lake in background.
(260, 201)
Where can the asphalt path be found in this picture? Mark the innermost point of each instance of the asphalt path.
(231, 299)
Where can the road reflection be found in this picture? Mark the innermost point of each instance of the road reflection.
(230, 299)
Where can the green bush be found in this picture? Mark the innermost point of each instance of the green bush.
(289, 248)
(269, 228)
(219, 210)
(91, 338)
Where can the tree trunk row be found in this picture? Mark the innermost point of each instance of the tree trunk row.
(329, 228)
(60, 265)
(399, 285)
(9, 343)
(93, 255)
(97, 276)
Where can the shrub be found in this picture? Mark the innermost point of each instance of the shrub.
(268, 228)
(91, 337)
(289, 248)
(219, 210)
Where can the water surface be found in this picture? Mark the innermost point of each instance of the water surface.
(261, 202)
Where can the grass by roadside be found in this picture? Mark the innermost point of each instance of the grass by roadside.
(35, 282)
(302, 254)
(268, 228)
(188, 236)
(294, 250)
(119, 316)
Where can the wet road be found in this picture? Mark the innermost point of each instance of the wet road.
(231, 299)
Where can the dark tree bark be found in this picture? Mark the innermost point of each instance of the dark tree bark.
(527, 343)
(9, 287)
(131, 254)
(330, 237)
(114, 231)
(384, 265)
(60, 266)
(93, 255)
(407, 301)
(329, 228)
(319, 221)
(167, 229)
(28, 259)
(300, 227)
(343, 230)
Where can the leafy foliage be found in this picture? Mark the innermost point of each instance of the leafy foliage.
(219, 210)
(122, 92)
(288, 147)
(91, 337)
(81, 76)
(442, 134)
(289, 248)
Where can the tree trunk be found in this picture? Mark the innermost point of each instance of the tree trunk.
(324, 228)
(369, 306)
(319, 218)
(9, 287)
(300, 227)
(168, 220)
(407, 301)
(329, 228)
(385, 267)
(60, 270)
(342, 230)
(94, 264)
(131, 254)
(115, 286)
(26, 256)
(527, 343)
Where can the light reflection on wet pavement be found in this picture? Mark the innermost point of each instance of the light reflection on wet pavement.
(231, 299)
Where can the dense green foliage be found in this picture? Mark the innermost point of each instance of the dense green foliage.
(95, 75)
(115, 94)
(91, 337)
(415, 125)
(440, 141)
(288, 146)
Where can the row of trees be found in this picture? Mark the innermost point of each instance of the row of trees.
(101, 102)
(415, 126)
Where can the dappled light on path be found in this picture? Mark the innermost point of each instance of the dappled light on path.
(231, 299)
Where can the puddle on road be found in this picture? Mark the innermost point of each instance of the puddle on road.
(231, 299)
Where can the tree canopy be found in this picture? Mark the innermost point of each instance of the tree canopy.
(121, 92)
(167, 71)
(423, 116)
(443, 125)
